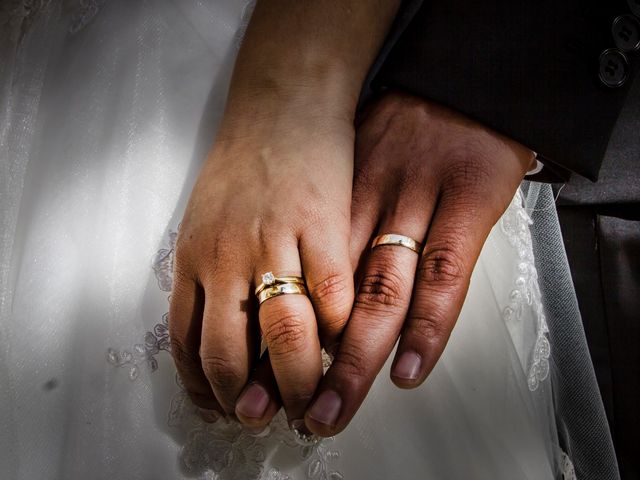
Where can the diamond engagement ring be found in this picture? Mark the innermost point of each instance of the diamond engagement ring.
(273, 286)
(270, 280)
(395, 239)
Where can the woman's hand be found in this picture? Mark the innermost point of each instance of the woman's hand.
(274, 198)
(430, 174)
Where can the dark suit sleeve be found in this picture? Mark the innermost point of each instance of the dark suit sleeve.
(550, 74)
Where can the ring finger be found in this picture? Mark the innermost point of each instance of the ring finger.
(289, 329)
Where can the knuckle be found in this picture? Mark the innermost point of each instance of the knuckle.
(222, 374)
(469, 168)
(181, 273)
(186, 252)
(352, 364)
(441, 265)
(181, 251)
(183, 356)
(431, 328)
(333, 286)
(334, 294)
(200, 256)
(381, 290)
(286, 333)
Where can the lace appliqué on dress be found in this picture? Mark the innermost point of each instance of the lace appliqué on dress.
(515, 225)
(223, 450)
(144, 354)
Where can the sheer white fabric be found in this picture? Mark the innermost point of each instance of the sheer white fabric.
(108, 108)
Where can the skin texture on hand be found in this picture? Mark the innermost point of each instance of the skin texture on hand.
(274, 195)
(429, 173)
(256, 208)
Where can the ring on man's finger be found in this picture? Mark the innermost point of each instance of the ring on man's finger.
(396, 239)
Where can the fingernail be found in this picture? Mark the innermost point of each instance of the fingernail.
(209, 416)
(326, 408)
(253, 402)
(408, 366)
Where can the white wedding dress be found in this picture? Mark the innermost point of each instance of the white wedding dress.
(107, 109)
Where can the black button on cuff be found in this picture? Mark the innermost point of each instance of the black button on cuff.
(626, 32)
(614, 68)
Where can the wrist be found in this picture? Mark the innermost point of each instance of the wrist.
(299, 111)
(320, 91)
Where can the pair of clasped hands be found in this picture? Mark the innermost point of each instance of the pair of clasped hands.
(296, 184)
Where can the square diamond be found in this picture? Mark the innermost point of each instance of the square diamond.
(268, 278)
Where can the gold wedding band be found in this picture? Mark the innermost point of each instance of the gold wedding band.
(395, 239)
(270, 280)
(281, 289)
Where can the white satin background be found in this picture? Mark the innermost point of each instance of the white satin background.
(108, 109)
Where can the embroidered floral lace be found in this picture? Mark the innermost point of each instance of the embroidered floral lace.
(224, 450)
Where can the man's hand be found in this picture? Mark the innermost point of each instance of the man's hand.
(431, 174)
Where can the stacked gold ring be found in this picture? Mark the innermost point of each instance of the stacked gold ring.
(281, 289)
(399, 240)
(273, 286)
